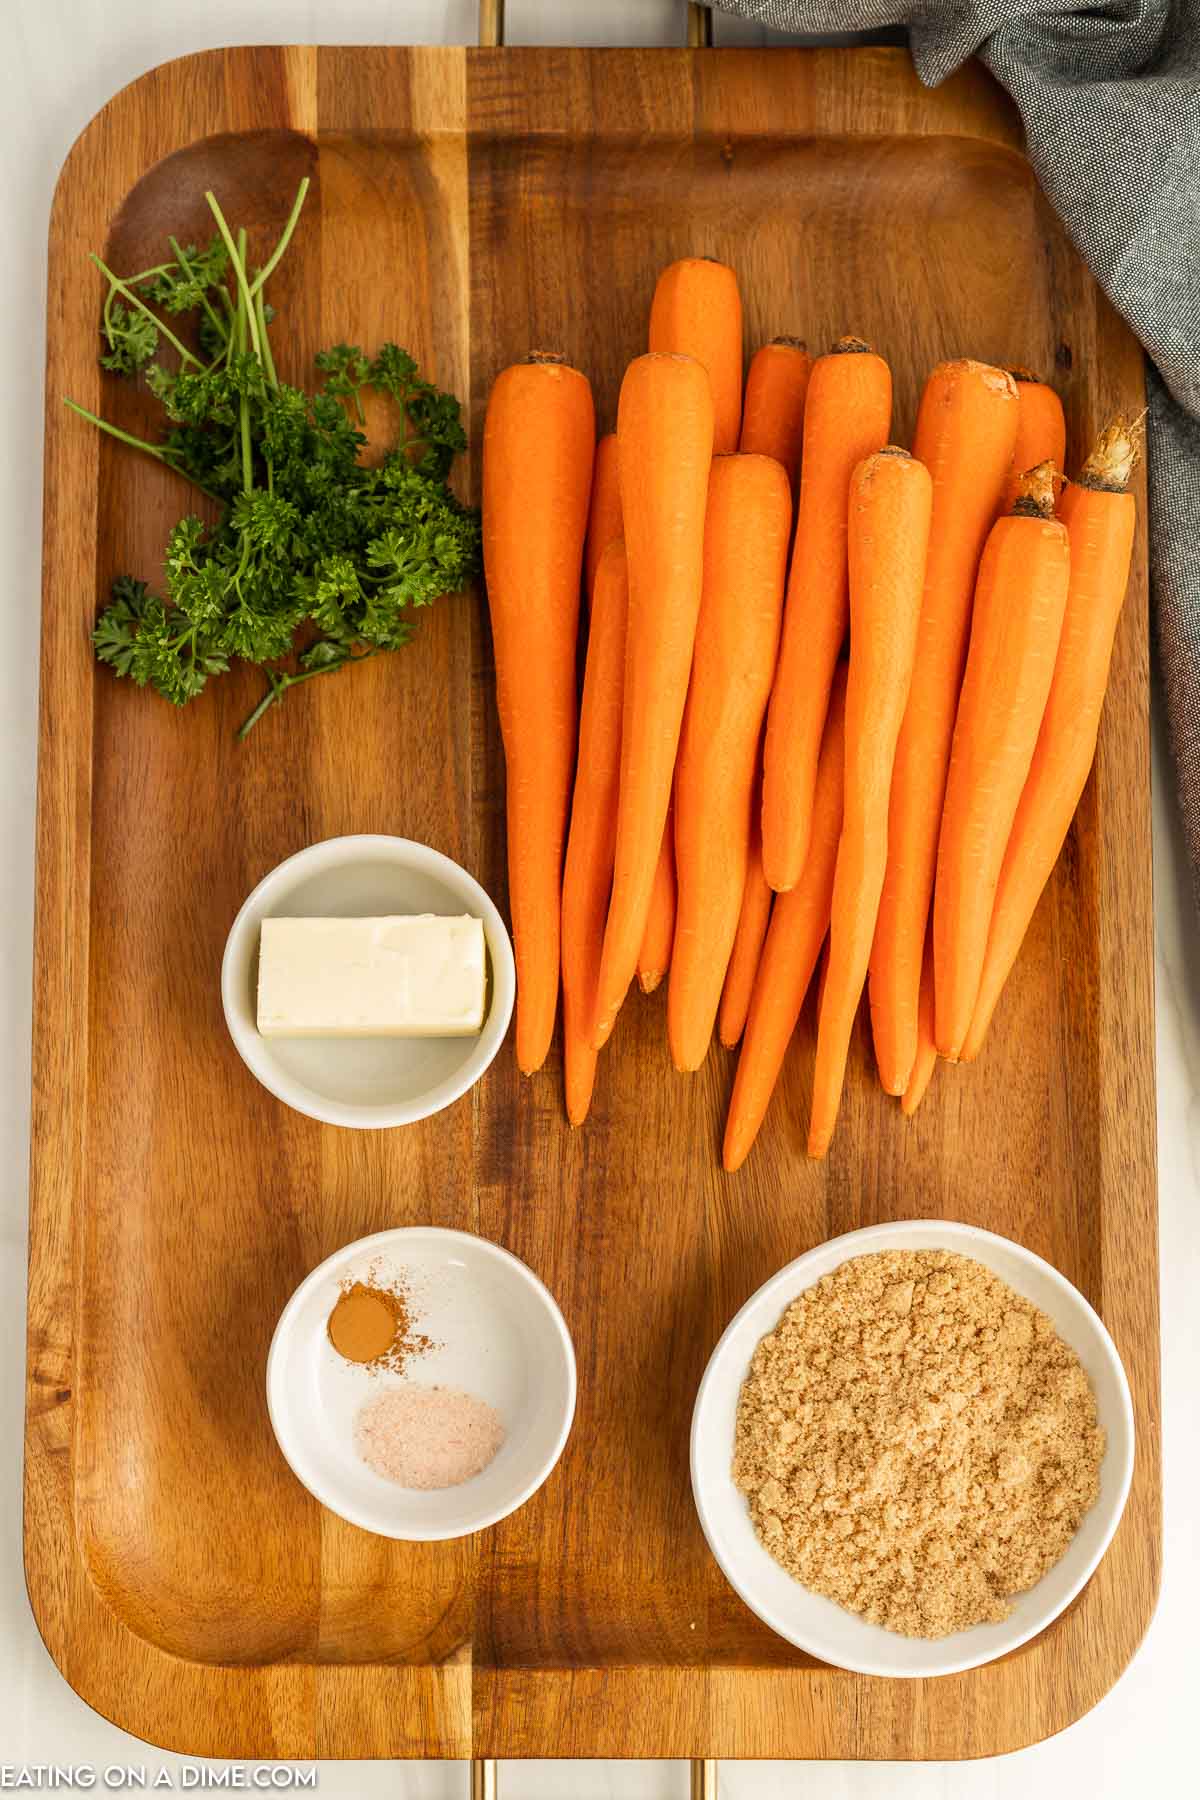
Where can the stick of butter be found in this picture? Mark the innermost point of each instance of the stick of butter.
(399, 977)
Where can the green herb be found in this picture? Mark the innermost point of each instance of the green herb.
(315, 560)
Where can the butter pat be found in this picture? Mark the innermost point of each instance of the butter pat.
(399, 977)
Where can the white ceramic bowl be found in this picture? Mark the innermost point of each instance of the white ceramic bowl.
(365, 1082)
(498, 1334)
(809, 1620)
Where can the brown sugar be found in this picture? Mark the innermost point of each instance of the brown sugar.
(916, 1442)
(372, 1324)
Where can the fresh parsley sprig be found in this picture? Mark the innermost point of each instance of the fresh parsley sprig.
(316, 560)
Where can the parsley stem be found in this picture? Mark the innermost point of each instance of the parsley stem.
(135, 299)
(260, 311)
(126, 437)
(160, 452)
(279, 684)
(237, 256)
(230, 315)
(148, 274)
(243, 316)
(272, 262)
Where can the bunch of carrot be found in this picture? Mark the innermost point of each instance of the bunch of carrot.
(837, 697)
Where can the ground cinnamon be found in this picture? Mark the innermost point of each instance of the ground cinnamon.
(373, 1325)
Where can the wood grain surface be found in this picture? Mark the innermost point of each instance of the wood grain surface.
(472, 205)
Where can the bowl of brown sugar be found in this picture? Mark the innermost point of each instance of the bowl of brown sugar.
(911, 1448)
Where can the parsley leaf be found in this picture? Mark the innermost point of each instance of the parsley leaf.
(132, 339)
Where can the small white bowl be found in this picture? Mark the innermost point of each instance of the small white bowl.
(809, 1620)
(364, 1082)
(497, 1333)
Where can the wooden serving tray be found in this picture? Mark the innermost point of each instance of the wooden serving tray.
(471, 204)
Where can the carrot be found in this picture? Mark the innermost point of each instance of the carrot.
(604, 515)
(773, 417)
(753, 919)
(888, 537)
(1020, 598)
(697, 311)
(538, 444)
(799, 922)
(587, 875)
(1099, 515)
(1041, 432)
(846, 417)
(746, 531)
(654, 957)
(966, 428)
(926, 1062)
(664, 434)
(823, 965)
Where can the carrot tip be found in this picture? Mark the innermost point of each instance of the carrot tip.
(818, 1147)
(649, 979)
(577, 1098)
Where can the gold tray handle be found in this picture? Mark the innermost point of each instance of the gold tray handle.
(491, 25)
(699, 37)
(485, 1778)
(491, 36)
(485, 1769)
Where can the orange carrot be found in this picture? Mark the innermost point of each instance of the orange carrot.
(604, 516)
(773, 416)
(587, 875)
(823, 965)
(654, 957)
(753, 920)
(697, 311)
(1020, 598)
(846, 417)
(1099, 514)
(746, 531)
(966, 428)
(926, 1062)
(888, 537)
(664, 433)
(799, 922)
(538, 444)
(1041, 432)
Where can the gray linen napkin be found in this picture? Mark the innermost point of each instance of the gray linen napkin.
(1110, 97)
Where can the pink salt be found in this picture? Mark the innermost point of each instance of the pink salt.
(427, 1437)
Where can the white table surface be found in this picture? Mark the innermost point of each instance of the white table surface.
(64, 59)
